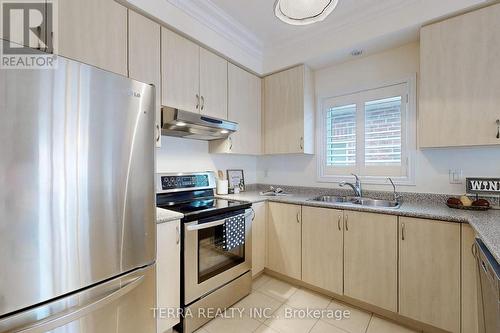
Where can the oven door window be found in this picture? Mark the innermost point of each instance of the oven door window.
(213, 259)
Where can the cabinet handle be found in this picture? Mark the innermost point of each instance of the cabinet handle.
(346, 222)
(230, 143)
(158, 135)
(301, 143)
(177, 235)
(197, 101)
(474, 250)
(253, 214)
(338, 222)
(498, 128)
(202, 102)
(402, 231)
(298, 217)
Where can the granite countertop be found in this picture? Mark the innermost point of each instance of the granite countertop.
(164, 215)
(485, 223)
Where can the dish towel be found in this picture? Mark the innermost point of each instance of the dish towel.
(234, 232)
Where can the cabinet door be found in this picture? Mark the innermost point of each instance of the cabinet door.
(180, 60)
(322, 248)
(429, 272)
(284, 239)
(168, 271)
(144, 58)
(469, 282)
(213, 85)
(259, 238)
(284, 112)
(94, 32)
(370, 258)
(244, 107)
(460, 80)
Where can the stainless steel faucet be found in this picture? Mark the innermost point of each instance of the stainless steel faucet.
(356, 187)
(396, 196)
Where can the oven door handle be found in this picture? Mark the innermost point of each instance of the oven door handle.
(207, 225)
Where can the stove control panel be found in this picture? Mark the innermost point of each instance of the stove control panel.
(178, 182)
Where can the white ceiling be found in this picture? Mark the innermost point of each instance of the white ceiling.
(370, 25)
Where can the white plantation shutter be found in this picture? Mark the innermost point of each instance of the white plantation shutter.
(383, 132)
(341, 136)
(368, 133)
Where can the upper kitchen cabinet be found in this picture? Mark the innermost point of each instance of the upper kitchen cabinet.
(244, 107)
(460, 80)
(94, 32)
(193, 79)
(180, 60)
(289, 112)
(213, 85)
(144, 58)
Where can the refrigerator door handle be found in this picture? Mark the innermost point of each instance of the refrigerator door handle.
(73, 314)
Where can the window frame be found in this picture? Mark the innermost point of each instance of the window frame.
(408, 129)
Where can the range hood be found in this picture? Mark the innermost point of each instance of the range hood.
(190, 125)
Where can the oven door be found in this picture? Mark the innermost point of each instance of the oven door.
(207, 265)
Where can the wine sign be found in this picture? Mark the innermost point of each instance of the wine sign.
(483, 185)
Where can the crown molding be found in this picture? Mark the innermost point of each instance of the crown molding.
(214, 18)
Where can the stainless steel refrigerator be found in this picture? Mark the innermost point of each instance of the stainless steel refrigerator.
(77, 204)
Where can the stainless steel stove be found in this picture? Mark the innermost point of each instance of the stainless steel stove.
(215, 245)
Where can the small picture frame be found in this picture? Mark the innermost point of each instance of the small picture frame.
(236, 178)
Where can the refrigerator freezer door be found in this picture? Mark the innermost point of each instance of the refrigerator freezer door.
(77, 198)
(122, 305)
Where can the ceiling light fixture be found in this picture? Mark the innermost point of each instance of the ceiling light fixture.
(303, 12)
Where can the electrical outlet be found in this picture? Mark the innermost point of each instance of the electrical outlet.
(456, 176)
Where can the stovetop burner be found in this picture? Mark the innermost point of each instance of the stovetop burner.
(193, 195)
(203, 205)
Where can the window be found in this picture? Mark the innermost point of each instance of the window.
(370, 133)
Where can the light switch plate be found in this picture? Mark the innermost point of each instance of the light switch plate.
(456, 176)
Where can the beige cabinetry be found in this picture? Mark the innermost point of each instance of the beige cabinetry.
(94, 32)
(322, 248)
(429, 272)
(168, 271)
(284, 239)
(259, 237)
(370, 258)
(193, 79)
(460, 80)
(468, 282)
(244, 107)
(144, 58)
(289, 112)
(213, 85)
(180, 66)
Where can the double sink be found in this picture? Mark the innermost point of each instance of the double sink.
(354, 201)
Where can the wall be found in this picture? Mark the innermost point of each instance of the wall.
(432, 166)
(176, 155)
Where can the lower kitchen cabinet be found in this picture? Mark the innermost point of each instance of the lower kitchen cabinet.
(259, 238)
(285, 239)
(322, 248)
(429, 272)
(370, 258)
(168, 272)
(469, 286)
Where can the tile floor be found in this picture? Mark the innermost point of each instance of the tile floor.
(280, 299)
